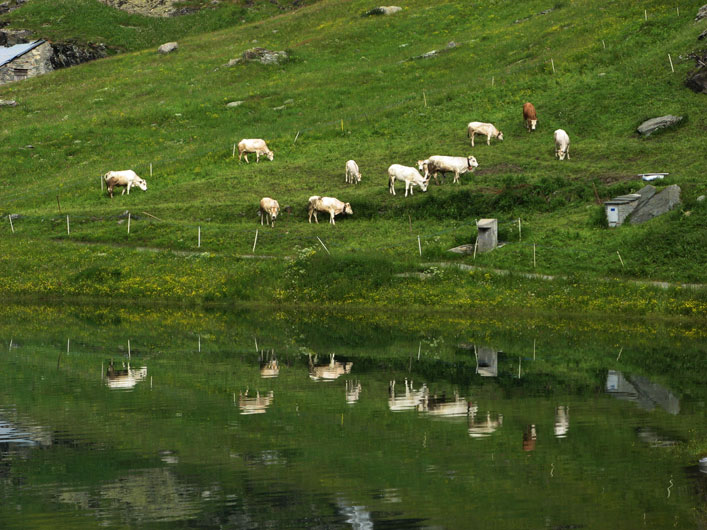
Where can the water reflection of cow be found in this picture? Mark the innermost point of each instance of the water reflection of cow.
(328, 372)
(353, 391)
(269, 367)
(124, 378)
(481, 426)
(410, 399)
(254, 405)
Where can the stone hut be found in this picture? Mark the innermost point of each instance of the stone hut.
(25, 60)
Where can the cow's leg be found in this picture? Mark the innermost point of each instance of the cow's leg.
(391, 186)
(456, 176)
(488, 139)
(257, 157)
(245, 155)
(331, 220)
(472, 138)
(568, 152)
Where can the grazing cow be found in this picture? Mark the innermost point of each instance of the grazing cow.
(409, 175)
(562, 144)
(124, 379)
(270, 208)
(125, 179)
(256, 405)
(327, 204)
(477, 127)
(328, 372)
(442, 164)
(353, 175)
(529, 116)
(253, 145)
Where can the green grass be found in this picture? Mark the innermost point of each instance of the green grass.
(140, 108)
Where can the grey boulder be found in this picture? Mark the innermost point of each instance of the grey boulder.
(648, 127)
(658, 204)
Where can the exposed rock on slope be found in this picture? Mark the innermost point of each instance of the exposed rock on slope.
(151, 8)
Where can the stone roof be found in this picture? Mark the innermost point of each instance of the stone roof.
(8, 54)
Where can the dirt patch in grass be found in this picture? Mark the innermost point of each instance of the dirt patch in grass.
(499, 168)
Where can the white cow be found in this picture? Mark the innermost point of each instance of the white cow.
(442, 164)
(562, 144)
(270, 208)
(125, 179)
(253, 145)
(477, 127)
(409, 175)
(353, 175)
(327, 204)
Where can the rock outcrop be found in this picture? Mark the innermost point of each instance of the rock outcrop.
(648, 127)
(697, 78)
(656, 205)
(167, 47)
(701, 13)
(67, 54)
(151, 8)
(260, 55)
(383, 10)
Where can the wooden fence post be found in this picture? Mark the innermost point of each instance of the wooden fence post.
(9, 216)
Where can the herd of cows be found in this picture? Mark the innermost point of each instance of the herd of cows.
(411, 176)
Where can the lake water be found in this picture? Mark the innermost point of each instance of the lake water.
(257, 418)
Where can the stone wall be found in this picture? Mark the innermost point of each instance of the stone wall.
(35, 62)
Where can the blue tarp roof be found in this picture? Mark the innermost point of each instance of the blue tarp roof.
(7, 54)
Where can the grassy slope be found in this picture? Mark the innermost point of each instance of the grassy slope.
(140, 108)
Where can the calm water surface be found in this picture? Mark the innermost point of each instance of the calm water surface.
(264, 419)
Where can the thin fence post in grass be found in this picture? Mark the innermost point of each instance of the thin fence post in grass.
(256, 239)
(233, 154)
(150, 168)
(425, 98)
(9, 216)
(534, 254)
(533, 349)
(476, 243)
(101, 179)
(322, 243)
(645, 14)
(520, 235)
(678, 9)
(519, 367)
(198, 238)
(409, 223)
(621, 260)
(128, 223)
(603, 44)
(419, 244)
(68, 343)
(553, 65)
(619, 355)
(128, 348)
(296, 136)
(68, 228)
(199, 343)
(671, 63)
(342, 124)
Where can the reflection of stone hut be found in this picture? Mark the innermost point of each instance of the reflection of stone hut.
(486, 361)
(25, 60)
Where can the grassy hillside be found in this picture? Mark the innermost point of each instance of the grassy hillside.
(352, 90)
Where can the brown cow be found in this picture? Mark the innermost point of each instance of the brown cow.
(530, 117)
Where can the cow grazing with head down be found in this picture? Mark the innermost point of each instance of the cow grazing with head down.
(530, 116)
(269, 209)
(562, 144)
(253, 145)
(487, 129)
(409, 175)
(126, 179)
(327, 204)
(443, 164)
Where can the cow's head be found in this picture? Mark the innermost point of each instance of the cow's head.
(424, 183)
(358, 177)
(561, 153)
(500, 135)
(140, 183)
(421, 165)
(471, 162)
(347, 209)
(533, 123)
(269, 155)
